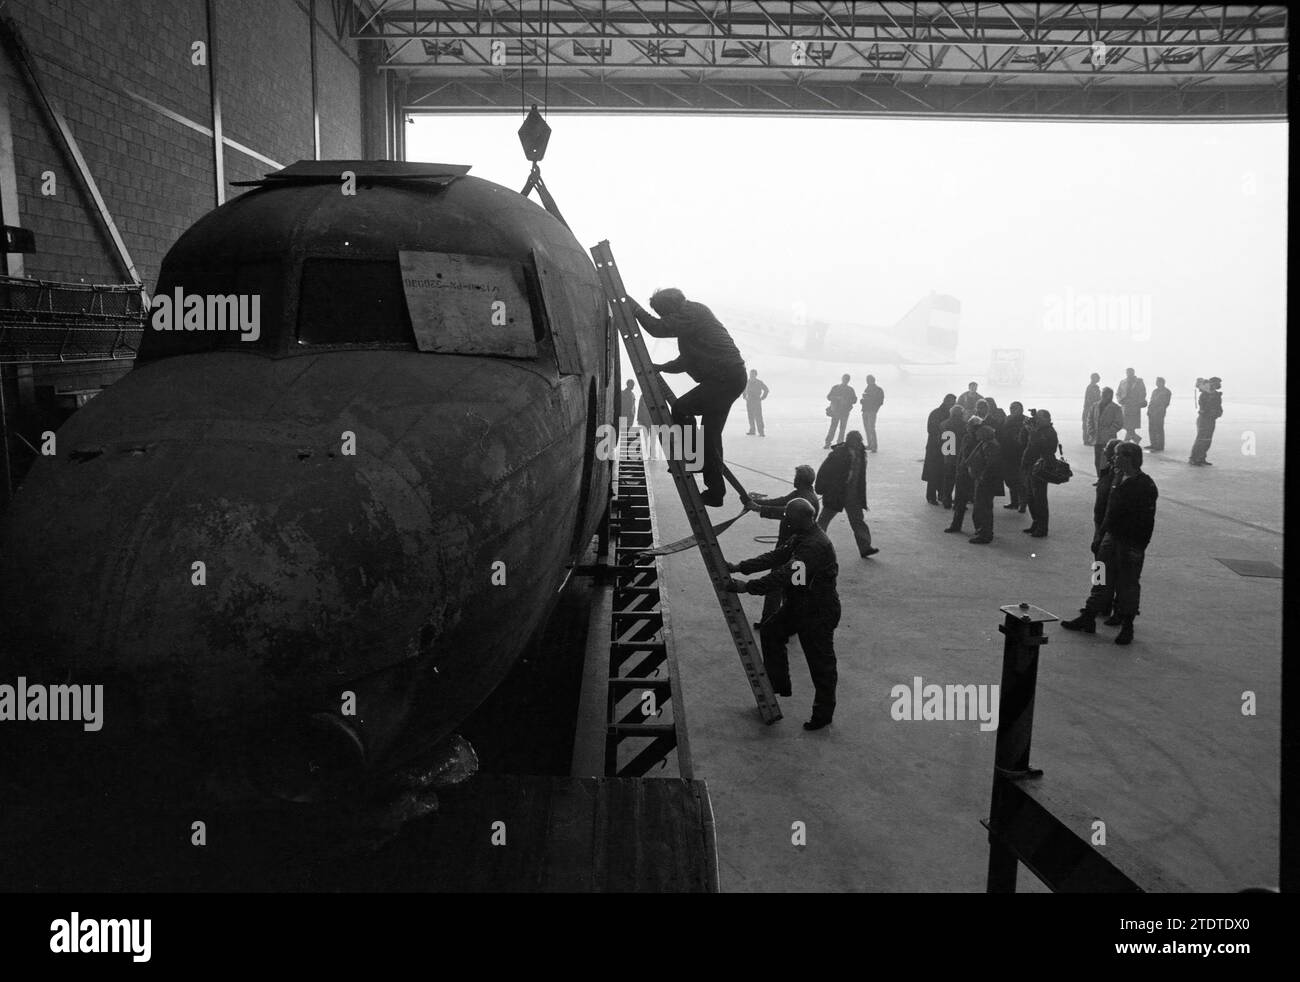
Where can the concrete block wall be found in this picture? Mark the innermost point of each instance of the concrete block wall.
(104, 61)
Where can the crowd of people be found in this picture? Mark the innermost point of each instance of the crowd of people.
(976, 452)
(1107, 412)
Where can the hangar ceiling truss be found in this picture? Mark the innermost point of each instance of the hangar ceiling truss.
(947, 60)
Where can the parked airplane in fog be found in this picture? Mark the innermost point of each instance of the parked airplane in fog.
(925, 335)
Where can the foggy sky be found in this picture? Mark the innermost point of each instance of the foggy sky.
(1181, 228)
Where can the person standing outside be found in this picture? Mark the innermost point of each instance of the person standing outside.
(804, 570)
(1012, 442)
(1125, 533)
(1107, 421)
(986, 468)
(1160, 397)
(932, 469)
(873, 397)
(1091, 396)
(1041, 445)
(756, 391)
(1132, 396)
(804, 477)
(626, 409)
(969, 399)
(708, 355)
(842, 483)
(1210, 405)
(842, 399)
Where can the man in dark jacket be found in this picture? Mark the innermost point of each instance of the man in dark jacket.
(1091, 396)
(985, 466)
(804, 570)
(963, 488)
(873, 397)
(1012, 442)
(1125, 532)
(775, 508)
(842, 399)
(1041, 445)
(708, 355)
(755, 392)
(1210, 403)
(842, 483)
(1159, 405)
(932, 471)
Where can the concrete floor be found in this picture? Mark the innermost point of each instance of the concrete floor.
(1151, 737)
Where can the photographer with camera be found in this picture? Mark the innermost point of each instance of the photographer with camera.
(1210, 408)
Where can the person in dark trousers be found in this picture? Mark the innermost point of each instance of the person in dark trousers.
(842, 483)
(1091, 396)
(1159, 405)
(842, 399)
(1131, 394)
(951, 434)
(970, 398)
(1041, 445)
(985, 466)
(1210, 405)
(995, 416)
(755, 392)
(708, 355)
(873, 397)
(932, 470)
(626, 407)
(1105, 480)
(1012, 442)
(804, 570)
(1107, 421)
(766, 507)
(963, 487)
(1125, 531)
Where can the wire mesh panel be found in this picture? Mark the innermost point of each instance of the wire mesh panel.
(45, 321)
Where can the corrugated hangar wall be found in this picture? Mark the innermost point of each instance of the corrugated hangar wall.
(122, 74)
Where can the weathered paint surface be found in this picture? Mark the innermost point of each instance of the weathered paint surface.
(325, 572)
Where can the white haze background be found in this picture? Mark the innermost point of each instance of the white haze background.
(857, 219)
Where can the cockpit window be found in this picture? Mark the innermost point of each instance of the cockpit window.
(350, 301)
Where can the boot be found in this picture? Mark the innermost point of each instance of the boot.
(1085, 622)
(817, 722)
(953, 528)
(1011, 506)
(1114, 620)
(980, 540)
(1125, 635)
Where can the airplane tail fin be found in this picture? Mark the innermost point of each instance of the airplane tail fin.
(931, 323)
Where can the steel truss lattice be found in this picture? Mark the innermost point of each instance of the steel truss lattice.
(948, 60)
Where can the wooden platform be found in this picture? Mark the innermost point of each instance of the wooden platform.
(562, 834)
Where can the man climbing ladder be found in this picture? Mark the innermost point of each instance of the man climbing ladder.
(693, 346)
(708, 355)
